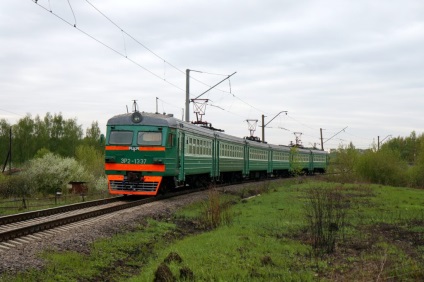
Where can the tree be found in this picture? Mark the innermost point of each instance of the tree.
(71, 137)
(408, 147)
(92, 159)
(296, 164)
(23, 139)
(343, 163)
(92, 136)
(4, 140)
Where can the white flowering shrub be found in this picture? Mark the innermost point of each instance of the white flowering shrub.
(101, 184)
(51, 173)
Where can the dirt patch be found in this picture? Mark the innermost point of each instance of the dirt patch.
(164, 274)
(401, 236)
(173, 257)
(186, 274)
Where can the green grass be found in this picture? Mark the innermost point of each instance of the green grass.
(265, 240)
(252, 247)
(112, 258)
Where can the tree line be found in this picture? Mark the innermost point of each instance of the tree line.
(49, 153)
(398, 162)
(53, 133)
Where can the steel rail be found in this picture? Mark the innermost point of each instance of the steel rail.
(46, 212)
(39, 227)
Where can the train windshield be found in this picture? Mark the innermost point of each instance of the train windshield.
(120, 137)
(149, 138)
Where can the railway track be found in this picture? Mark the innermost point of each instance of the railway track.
(14, 228)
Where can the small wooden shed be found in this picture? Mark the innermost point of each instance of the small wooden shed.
(77, 187)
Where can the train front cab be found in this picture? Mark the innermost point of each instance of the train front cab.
(135, 158)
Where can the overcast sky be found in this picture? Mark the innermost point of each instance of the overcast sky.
(331, 64)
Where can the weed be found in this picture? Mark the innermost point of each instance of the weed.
(266, 260)
(214, 212)
(326, 211)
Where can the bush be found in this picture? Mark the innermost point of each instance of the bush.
(383, 167)
(100, 184)
(416, 172)
(51, 173)
(215, 212)
(326, 211)
(14, 186)
(342, 165)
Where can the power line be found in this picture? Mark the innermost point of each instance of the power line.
(11, 112)
(125, 55)
(130, 36)
(109, 47)
(141, 44)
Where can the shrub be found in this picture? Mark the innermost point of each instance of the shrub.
(52, 172)
(325, 210)
(296, 163)
(41, 153)
(215, 213)
(342, 165)
(100, 184)
(382, 167)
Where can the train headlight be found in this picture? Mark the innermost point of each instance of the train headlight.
(136, 117)
(157, 161)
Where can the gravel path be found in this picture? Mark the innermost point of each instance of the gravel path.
(79, 238)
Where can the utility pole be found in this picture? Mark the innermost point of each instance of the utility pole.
(322, 143)
(157, 105)
(264, 125)
(381, 142)
(9, 154)
(187, 103)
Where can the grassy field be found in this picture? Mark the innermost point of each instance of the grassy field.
(294, 230)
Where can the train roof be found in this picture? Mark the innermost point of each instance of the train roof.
(146, 119)
(153, 119)
(279, 147)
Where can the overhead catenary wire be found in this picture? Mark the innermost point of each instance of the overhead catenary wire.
(125, 55)
(133, 38)
(11, 112)
(109, 47)
(72, 10)
(152, 52)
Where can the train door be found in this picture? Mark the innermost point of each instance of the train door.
(311, 162)
(181, 153)
(214, 158)
(215, 153)
(270, 161)
(247, 160)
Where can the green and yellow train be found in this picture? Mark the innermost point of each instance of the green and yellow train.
(147, 153)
